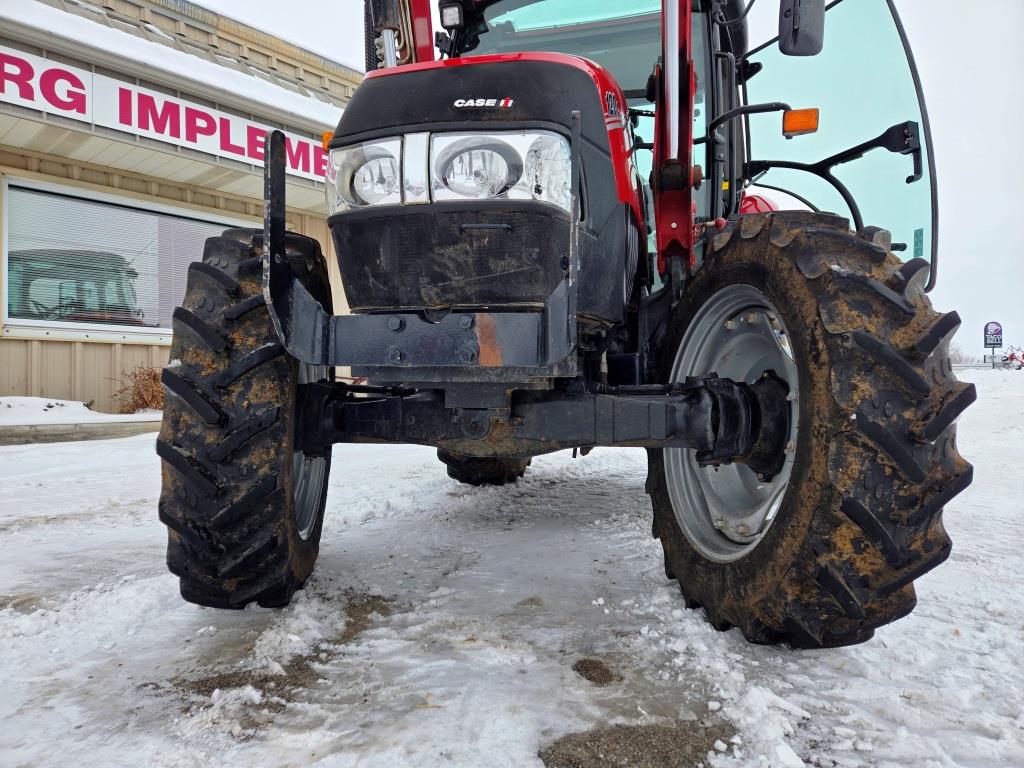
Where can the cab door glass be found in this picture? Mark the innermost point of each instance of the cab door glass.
(864, 84)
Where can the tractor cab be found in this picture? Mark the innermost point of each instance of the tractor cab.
(852, 98)
(73, 286)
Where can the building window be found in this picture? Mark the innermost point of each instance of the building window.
(76, 261)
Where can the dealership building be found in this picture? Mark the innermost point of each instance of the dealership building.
(130, 131)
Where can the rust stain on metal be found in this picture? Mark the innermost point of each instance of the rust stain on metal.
(487, 338)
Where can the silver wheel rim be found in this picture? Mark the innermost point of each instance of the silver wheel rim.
(724, 512)
(308, 472)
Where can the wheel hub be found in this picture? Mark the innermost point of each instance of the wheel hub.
(725, 509)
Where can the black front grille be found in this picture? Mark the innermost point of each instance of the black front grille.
(411, 258)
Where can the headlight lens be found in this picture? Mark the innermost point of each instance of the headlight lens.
(365, 174)
(527, 165)
(511, 165)
(475, 166)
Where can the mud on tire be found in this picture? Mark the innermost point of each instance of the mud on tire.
(226, 442)
(474, 470)
(876, 457)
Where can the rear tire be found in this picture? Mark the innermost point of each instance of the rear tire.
(475, 470)
(244, 512)
(874, 460)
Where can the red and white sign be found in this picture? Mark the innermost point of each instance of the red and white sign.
(59, 89)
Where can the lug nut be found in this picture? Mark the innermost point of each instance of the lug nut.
(396, 324)
(750, 317)
(730, 325)
(719, 524)
(762, 477)
(742, 529)
(790, 446)
(791, 396)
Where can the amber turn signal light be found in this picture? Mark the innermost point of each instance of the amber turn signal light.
(797, 122)
(328, 135)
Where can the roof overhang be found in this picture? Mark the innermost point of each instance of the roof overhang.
(53, 108)
(46, 135)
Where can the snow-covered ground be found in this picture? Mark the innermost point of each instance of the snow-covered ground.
(443, 623)
(32, 411)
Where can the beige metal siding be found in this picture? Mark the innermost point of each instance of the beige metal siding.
(43, 149)
(72, 370)
(93, 370)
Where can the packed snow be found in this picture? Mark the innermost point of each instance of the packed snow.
(443, 622)
(32, 411)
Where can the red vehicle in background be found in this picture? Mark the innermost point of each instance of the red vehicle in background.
(1013, 359)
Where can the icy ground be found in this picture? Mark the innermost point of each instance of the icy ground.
(443, 622)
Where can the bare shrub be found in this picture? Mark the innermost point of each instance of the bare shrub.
(141, 390)
(958, 357)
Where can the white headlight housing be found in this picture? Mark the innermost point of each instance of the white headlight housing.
(365, 174)
(450, 167)
(513, 165)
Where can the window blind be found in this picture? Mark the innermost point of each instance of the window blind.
(74, 260)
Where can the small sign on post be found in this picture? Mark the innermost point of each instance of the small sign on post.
(993, 338)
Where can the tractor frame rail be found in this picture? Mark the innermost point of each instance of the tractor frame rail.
(724, 421)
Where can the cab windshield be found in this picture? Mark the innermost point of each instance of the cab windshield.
(624, 38)
(871, 158)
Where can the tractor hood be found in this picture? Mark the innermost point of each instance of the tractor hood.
(513, 90)
(499, 251)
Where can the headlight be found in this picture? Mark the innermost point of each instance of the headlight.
(365, 174)
(529, 165)
(549, 171)
(510, 165)
(476, 167)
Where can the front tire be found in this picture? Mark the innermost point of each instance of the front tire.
(874, 458)
(243, 509)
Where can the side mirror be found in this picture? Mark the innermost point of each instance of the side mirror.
(801, 27)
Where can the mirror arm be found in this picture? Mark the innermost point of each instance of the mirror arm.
(746, 109)
(902, 138)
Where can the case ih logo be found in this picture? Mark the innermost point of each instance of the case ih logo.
(505, 103)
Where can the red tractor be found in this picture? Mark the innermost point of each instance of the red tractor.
(554, 227)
